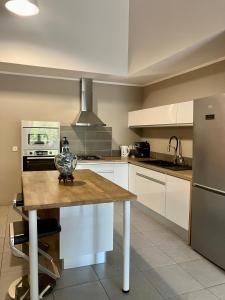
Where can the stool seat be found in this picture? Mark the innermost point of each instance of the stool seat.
(45, 227)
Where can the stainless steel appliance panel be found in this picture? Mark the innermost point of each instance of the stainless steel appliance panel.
(208, 225)
(209, 142)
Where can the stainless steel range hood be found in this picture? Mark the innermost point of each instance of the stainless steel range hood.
(87, 117)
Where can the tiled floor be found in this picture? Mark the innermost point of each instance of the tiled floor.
(162, 267)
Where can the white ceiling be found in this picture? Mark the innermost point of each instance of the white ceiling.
(74, 38)
(81, 35)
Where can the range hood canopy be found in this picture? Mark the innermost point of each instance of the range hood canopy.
(87, 117)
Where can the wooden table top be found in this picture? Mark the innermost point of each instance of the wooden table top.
(42, 190)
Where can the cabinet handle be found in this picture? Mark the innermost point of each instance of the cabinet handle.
(151, 179)
(41, 157)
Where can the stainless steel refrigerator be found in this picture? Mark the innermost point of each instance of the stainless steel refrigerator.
(208, 193)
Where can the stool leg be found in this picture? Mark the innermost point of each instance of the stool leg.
(126, 246)
(33, 255)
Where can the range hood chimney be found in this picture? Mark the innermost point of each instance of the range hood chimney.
(87, 117)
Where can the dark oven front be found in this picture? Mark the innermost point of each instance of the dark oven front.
(38, 163)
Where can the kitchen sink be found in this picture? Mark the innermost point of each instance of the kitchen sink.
(167, 165)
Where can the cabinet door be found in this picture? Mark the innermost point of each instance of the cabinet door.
(163, 115)
(185, 113)
(132, 176)
(178, 201)
(155, 116)
(121, 175)
(105, 170)
(150, 192)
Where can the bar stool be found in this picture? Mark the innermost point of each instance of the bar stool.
(18, 204)
(19, 235)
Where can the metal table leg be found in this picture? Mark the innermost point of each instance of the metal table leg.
(126, 246)
(33, 255)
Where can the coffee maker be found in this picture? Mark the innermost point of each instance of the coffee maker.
(142, 149)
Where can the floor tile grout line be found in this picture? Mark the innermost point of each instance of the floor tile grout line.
(204, 287)
(77, 285)
(74, 285)
(188, 260)
(105, 290)
(155, 287)
(95, 272)
(208, 289)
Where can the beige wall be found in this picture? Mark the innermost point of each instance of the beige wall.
(200, 83)
(23, 98)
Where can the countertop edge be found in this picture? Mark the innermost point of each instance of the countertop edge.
(186, 175)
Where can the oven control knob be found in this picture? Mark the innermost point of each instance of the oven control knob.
(31, 153)
(50, 152)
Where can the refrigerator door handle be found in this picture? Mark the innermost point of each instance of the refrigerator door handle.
(209, 188)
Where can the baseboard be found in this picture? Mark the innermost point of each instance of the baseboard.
(84, 260)
(181, 232)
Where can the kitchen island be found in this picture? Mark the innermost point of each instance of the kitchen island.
(42, 191)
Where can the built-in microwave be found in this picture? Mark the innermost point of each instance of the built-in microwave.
(40, 135)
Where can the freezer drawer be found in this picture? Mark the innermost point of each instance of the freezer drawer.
(208, 225)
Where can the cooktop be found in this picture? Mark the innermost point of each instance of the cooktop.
(88, 157)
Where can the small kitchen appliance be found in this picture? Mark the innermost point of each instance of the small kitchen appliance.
(40, 145)
(142, 149)
(124, 151)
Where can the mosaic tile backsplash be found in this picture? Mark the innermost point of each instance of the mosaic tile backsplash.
(89, 140)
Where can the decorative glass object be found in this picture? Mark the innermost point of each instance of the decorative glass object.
(66, 162)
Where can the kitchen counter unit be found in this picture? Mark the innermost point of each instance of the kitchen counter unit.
(187, 174)
(42, 191)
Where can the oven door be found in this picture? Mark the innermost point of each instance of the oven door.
(33, 163)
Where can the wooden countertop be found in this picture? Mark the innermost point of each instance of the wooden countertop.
(42, 190)
(187, 174)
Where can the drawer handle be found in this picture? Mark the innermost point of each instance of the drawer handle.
(105, 172)
(151, 179)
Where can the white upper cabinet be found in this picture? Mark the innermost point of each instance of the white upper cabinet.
(166, 115)
(185, 112)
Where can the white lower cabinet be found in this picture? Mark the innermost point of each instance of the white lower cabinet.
(167, 195)
(132, 177)
(115, 172)
(178, 201)
(150, 189)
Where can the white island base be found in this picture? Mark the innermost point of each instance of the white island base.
(86, 235)
(87, 230)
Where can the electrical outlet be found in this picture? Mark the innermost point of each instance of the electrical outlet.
(14, 148)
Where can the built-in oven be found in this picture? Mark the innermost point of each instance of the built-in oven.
(40, 145)
(38, 163)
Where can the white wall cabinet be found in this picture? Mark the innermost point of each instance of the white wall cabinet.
(185, 112)
(166, 115)
(161, 115)
(167, 195)
(178, 201)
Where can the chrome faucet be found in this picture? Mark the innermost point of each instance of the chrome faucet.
(178, 158)
(174, 147)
